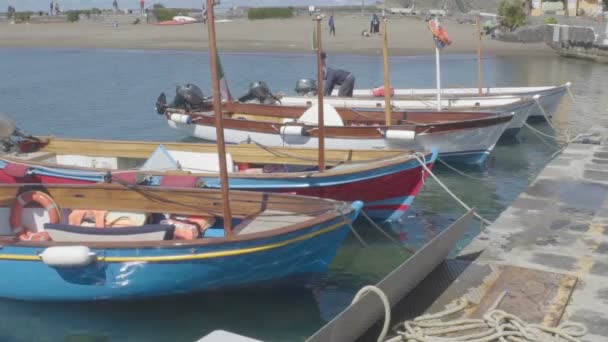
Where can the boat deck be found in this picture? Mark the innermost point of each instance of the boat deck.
(271, 220)
(548, 251)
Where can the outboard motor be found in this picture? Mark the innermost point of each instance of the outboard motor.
(260, 92)
(12, 139)
(189, 97)
(7, 126)
(161, 103)
(306, 86)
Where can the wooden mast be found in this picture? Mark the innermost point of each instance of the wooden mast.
(479, 69)
(217, 109)
(387, 82)
(320, 89)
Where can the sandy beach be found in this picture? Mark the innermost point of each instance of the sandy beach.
(407, 36)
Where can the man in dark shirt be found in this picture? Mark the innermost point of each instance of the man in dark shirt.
(345, 79)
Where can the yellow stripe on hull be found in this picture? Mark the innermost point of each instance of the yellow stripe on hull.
(199, 256)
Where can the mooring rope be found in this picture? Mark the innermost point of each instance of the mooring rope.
(458, 171)
(495, 325)
(387, 235)
(464, 205)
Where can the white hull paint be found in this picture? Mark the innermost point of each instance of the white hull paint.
(479, 103)
(521, 107)
(550, 96)
(469, 146)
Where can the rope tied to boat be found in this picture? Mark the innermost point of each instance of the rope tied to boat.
(494, 326)
(464, 205)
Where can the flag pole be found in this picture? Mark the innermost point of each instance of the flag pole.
(479, 66)
(438, 70)
(387, 82)
(217, 109)
(320, 88)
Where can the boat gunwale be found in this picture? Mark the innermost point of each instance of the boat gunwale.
(354, 168)
(331, 209)
(362, 132)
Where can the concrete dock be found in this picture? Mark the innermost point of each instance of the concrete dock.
(548, 250)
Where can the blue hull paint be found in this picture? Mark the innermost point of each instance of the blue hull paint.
(389, 215)
(34, 280)
(469, 158)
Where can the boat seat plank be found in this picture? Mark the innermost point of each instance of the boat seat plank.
(270, 220)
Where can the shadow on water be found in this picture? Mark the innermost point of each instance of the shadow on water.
(185, 318)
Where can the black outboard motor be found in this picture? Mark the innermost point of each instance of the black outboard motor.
(161, 103)
(188, 97)
(260, 92)
(306, 86)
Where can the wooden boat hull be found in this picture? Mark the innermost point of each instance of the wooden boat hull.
(151, 272)
(470, 145)
(396, 181)
(275, 236)
(550, 96)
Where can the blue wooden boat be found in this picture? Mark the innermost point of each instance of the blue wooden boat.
(274, 236)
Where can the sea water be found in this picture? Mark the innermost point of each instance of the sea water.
(110, 94)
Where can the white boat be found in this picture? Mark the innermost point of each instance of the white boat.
(550, 97)
(465, 137)
(520, 106)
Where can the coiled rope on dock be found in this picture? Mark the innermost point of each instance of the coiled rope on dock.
(495, 325)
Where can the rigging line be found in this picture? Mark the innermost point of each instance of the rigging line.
(458, 171)
(464, 205)
(387, 235)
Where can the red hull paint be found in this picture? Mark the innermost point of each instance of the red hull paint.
(404, 183)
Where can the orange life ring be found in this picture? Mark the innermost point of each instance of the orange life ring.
(439, 33)
(16, 218)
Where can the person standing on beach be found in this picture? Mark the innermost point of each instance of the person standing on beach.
(332, 26)
(141, 6)
(345, 79)
(375, 24)
(204, 14)
(51, 12)
(115, 6)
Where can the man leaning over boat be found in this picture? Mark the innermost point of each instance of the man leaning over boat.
(343, 78)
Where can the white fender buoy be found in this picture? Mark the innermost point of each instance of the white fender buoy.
(181, 118)
(68, 256)
(399, 134)
(292, 130)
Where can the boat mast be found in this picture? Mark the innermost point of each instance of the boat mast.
(217, 109)
(479, 69)
(387, 82)
(320, 89)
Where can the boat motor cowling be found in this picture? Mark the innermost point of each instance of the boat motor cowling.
(259, 91)
(306, 86)
(189, 96)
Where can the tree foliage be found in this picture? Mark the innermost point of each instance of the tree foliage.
(22, 17)
(512, 13)
(270, 13)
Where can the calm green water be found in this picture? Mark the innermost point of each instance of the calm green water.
(111, 94)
